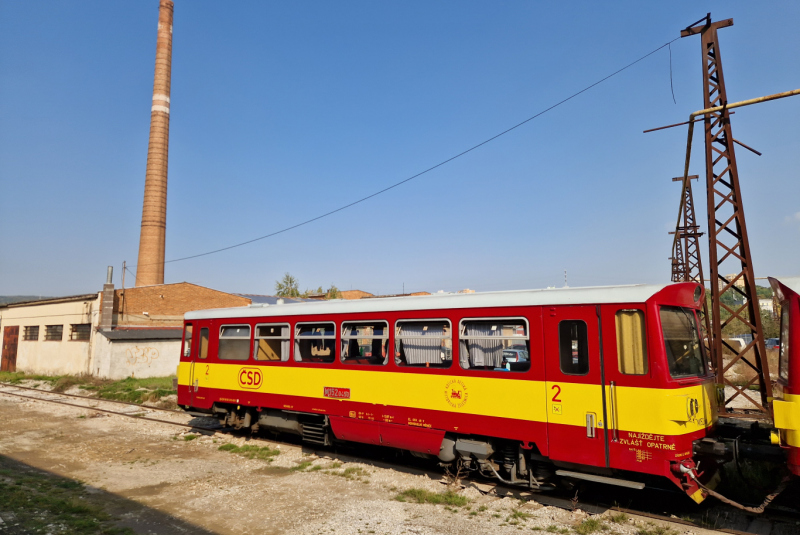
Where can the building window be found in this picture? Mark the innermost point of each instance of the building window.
(234, 342)
(80, 331)
(573, 347)
(365, 342)
(424, 343)
(53, 333)
(631, 346)
(273, 342)
(31, 333)
(494, 344)
(315, 342)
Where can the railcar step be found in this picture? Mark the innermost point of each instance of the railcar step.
(601, 479)
(314, 433)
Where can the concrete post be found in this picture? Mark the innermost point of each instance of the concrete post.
(150, 267)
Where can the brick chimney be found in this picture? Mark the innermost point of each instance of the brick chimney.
(150, 267)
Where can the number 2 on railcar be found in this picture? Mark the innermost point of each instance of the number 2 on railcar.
(610, 384)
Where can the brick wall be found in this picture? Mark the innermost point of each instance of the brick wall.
(167, 303)
(355, 294)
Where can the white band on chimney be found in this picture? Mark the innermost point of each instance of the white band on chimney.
(161, 97)
(165, 109)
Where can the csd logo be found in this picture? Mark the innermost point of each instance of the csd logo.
(250, 378)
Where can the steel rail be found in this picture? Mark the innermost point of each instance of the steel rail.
(104, 410)
(95, 399)
(704, 112)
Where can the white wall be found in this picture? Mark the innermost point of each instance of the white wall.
(52, 357)
(134, 358)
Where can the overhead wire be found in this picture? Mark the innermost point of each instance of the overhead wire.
(428, 170)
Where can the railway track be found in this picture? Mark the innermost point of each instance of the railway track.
(779, 520)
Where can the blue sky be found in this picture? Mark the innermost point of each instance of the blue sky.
(283, 111)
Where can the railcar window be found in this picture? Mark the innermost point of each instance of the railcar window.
(682, 342)
(494, 344)
(573, 347)
(204, 342)
(273, 342)
(234, 342)
(424, 343)
(187, 340)
(365, 342)
(631, 346)
(783, 362)
(315, 342)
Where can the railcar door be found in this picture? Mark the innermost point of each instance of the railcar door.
(188, 354)
(576, 427)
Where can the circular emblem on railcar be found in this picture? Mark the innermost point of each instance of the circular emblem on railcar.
(455, 393)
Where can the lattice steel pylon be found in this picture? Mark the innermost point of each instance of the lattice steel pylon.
(727, 238)
(686, 250)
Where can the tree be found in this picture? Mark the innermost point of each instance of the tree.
(333, 293)
(287, 286)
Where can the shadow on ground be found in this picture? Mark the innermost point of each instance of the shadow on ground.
(38, 501)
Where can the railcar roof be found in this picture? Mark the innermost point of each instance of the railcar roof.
(793, 283)
(636, 293)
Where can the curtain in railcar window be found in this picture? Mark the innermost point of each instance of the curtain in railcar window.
(203, 342)
(495, 344)
(234, 342)
(631, 347)
(573, 347)
(365, 342)
(315, 342)
(424, 343)
(272, 342)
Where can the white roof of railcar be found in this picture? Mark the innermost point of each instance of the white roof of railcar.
(793, 283)
(635, 293)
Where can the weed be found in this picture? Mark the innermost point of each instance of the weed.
(424, 496)
(473, 513)
(82, 416)
(590, 525)
(618, 518)
(551, 529)
(251, 452)
(652, 529)
(302, 466)
(516, 514)
(190, 437)
(482, 508)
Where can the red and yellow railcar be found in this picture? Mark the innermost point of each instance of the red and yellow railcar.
(609, 383)
(786, 405)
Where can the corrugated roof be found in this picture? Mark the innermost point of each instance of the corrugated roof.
(637, 293)
(52, 300)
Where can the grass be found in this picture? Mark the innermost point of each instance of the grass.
(264, 453)
(39, 502)
(301, 467)
(652, 529)
(423, 496)
(130, 389)
(618, 518)
(590, 525)
(190, 437)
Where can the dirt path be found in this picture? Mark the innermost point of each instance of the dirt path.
(150, 479)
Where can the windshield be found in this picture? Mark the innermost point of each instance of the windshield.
(684, 352)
